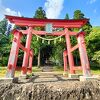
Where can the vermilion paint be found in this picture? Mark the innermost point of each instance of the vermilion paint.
(30, 23)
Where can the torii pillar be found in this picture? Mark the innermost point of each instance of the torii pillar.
(13, 54)
(65, 60)
(29, 69)
(83, 54)
(70, 56)
(26, 53)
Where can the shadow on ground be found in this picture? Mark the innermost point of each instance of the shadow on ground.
(47, 86)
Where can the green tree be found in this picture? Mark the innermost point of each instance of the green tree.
(93, 46)
(4, 43)
(67, 16)
(57, 54)
(78, 14)
(87, 28)
(96, 58)
(40, 14)
(3, 25)
(59, 47)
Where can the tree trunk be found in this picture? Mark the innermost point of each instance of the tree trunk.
(39, 54)
(2, 59)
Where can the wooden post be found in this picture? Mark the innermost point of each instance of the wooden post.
(70, 56)
(83, 54)
(13, 54)
(65, 60)
(29, 69)
(26, 53)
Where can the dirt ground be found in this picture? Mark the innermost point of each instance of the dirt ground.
(50, 87)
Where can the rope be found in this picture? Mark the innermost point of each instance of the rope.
(49, 39)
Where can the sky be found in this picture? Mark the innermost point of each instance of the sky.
(55, 9)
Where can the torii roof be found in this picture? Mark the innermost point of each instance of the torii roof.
(71, 23)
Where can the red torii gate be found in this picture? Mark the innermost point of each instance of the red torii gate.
(28, 53)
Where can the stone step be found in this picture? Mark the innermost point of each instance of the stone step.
(47, 69)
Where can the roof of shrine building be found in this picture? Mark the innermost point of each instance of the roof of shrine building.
(23, 21)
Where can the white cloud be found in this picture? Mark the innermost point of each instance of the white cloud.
(7, 11)
(53, 8)
(92, 1)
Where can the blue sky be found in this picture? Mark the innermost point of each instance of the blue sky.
(54, 8)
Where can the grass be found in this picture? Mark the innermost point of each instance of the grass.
(3, 71)
(36, 69)
(56, 69)
(97, 72)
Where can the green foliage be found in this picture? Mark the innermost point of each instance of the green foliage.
(58, 48)
(36, 45)
(76, 52)
(87, 28)
(40, 13)
(3, 25)
(93, 41)
(93, 45)
(57, 53)
(96, 57)
(78, 14)
(67, 16)
(4, 43)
